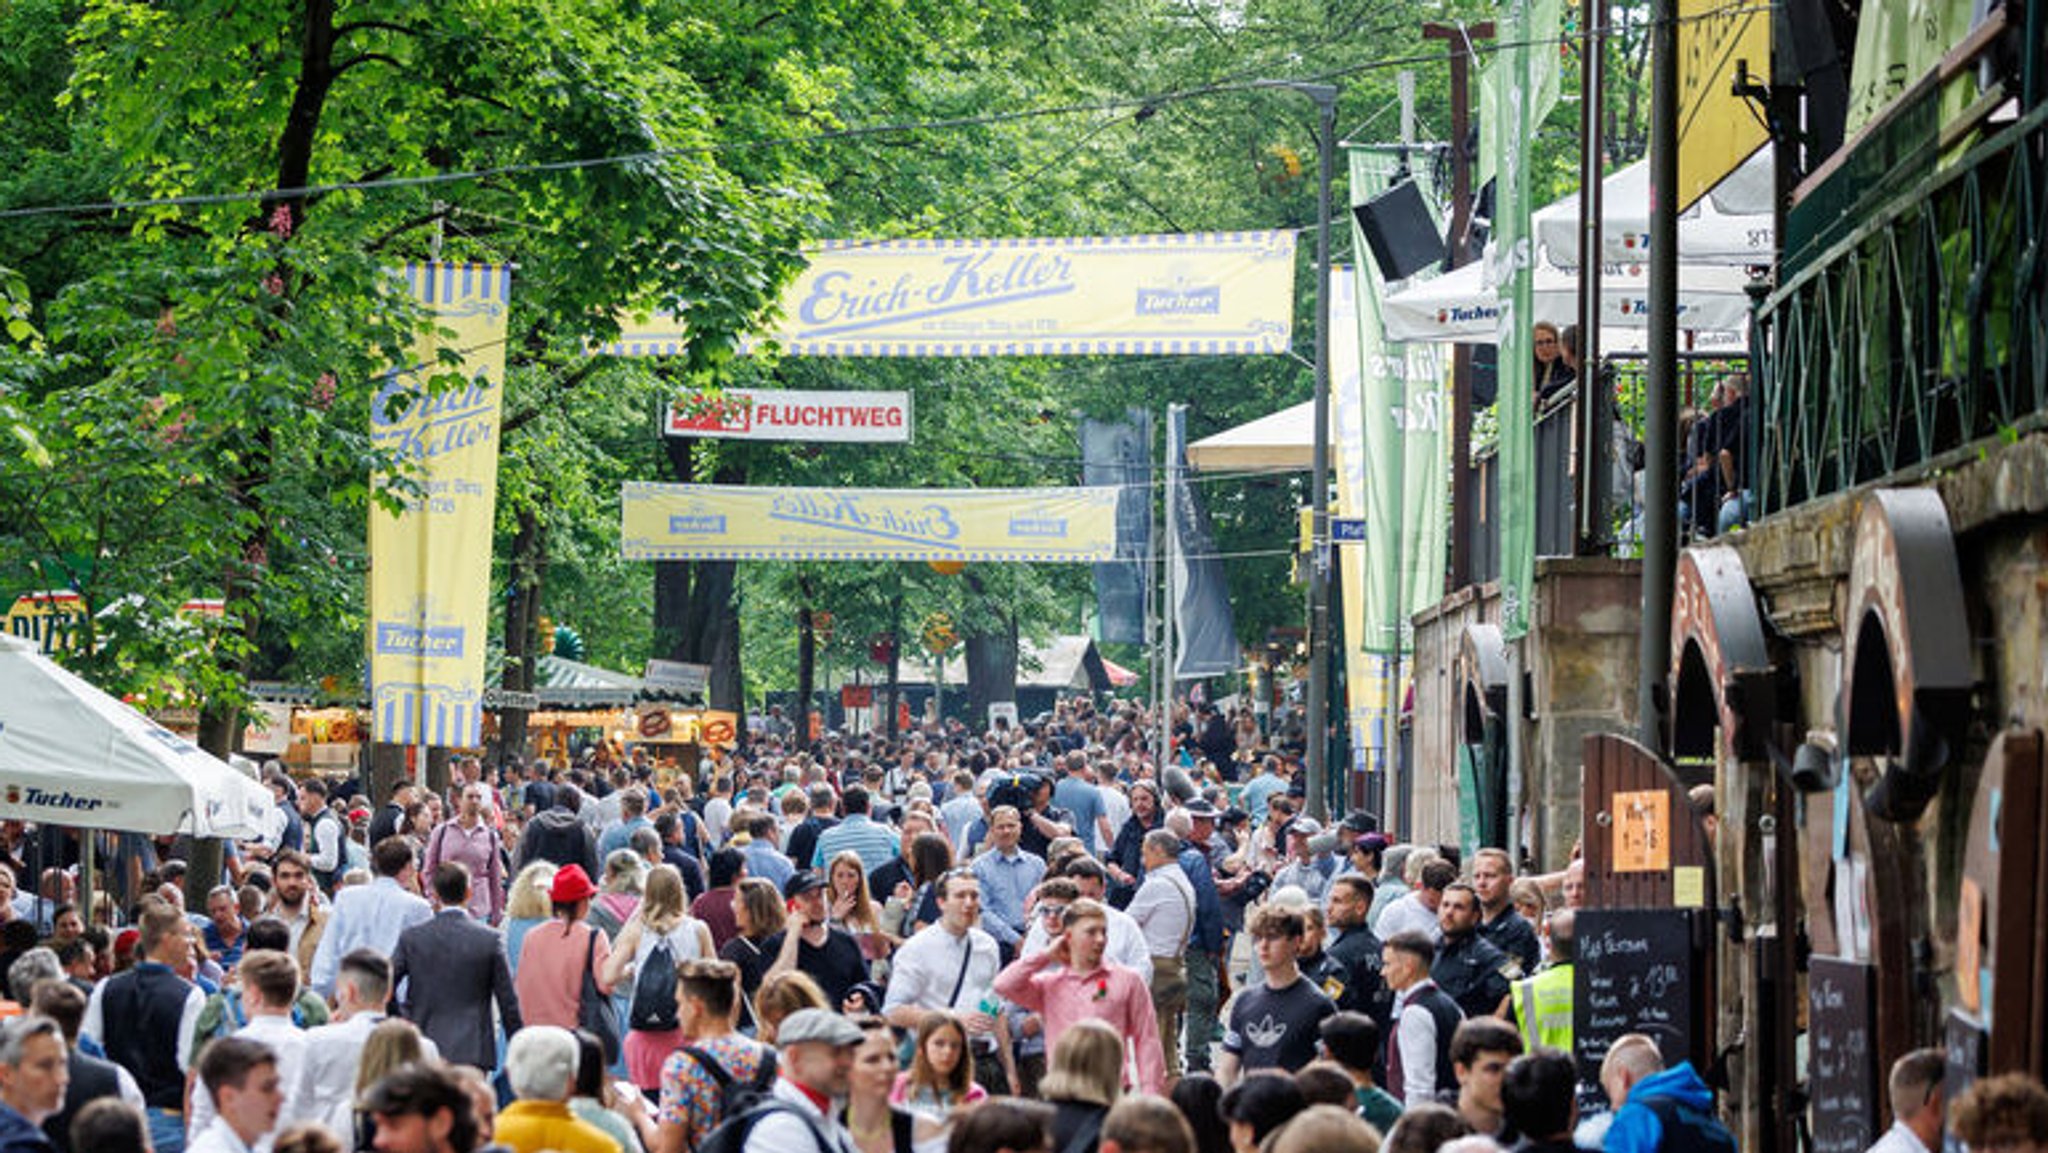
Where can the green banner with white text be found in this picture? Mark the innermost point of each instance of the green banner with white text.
(1509, 267)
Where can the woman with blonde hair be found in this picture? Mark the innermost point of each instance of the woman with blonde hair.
(526, 905)
(625, 873)
(941, 1074)
(1085, 1077)
(393, 1042)
(781, 995)
(660, 921)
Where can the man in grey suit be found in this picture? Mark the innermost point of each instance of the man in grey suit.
(457, 968)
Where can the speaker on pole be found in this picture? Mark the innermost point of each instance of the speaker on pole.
(1398, 229)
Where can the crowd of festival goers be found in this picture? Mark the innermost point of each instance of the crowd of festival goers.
(1028, 940)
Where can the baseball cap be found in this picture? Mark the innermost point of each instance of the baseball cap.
(1201, 809)
(1360, 821)
(1304, 827)
(800, 882)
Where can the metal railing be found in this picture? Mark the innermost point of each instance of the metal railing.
(1912, 321)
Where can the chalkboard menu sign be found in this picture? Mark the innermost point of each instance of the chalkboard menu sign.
(1634, 974)
(1842, 1055)
(1966, 1042)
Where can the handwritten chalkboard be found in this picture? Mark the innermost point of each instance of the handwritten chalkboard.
(1965, 1039)
(1634, 974)
(1842, 1055)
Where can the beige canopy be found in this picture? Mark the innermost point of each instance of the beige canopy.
(1279, 441)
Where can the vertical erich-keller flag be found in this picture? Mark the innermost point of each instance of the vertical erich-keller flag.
(1508, 269)
(1364, 676)
(430, 565)
(1208, 635)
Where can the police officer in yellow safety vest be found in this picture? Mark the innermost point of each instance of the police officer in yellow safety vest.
(1542, 1004)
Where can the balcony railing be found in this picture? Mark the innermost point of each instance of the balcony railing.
(1912, 318)
(1557, 464)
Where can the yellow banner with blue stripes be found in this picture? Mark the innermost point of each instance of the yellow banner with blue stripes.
(430, 565)
(728, 522)
(1199, 294)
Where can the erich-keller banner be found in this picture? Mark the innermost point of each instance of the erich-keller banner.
(766, 414)
(1197, 294)
(724, 522)
(430, 566)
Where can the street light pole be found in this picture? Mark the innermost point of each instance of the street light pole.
(1325, 97)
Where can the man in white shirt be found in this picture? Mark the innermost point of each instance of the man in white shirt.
(270, 985)
(325, 1089)
(372, 916)
(1917, 1103)
(951, 965)
(1164, 911)
(241, 1074)
(1418, 910)
(817, 1070)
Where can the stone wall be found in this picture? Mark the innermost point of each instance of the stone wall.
(1433, 761)
(1582, 658)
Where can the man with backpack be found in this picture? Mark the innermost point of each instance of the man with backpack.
(798, 1114)
(716, 1072)
(1658, 1110)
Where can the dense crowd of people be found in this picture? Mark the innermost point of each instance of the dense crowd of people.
(1025, 940)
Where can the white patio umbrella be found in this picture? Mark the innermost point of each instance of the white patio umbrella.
(1732, 224)
(1459, 307)
(73, 755)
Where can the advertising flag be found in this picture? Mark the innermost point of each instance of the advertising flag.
(1509, 269)
(1207, 634)
(1118, 454)
(1201, 294)
(731, 522)
(430, 565)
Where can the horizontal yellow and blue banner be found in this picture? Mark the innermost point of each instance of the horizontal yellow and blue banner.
(1198, 294)
(726, 522)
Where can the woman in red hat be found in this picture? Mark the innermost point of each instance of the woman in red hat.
(553, 957)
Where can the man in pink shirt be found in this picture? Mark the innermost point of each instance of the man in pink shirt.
(1072, 981)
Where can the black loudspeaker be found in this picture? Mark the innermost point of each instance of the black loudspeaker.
(1397, 228)
(1485, 375)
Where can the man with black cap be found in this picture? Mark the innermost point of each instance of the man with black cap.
(801, 1111)
(810, 943)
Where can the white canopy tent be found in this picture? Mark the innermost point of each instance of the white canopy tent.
(1280, 440)
(73, 755)
(1458, 306)
(1731, 225)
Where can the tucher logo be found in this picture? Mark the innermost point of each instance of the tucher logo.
(698, 523)
(62, 799)
(1195, 300)
(412, 640)
(1038, 526)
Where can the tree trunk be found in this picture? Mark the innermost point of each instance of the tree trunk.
(895, 663)
(522, 628)
(806, 663)
(695, 617)
(991, 671)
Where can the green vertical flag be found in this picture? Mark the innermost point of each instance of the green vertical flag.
(1544, 62)
(1508, 269)
(1406, 495)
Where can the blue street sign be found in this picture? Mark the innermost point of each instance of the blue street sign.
(1347, 528)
